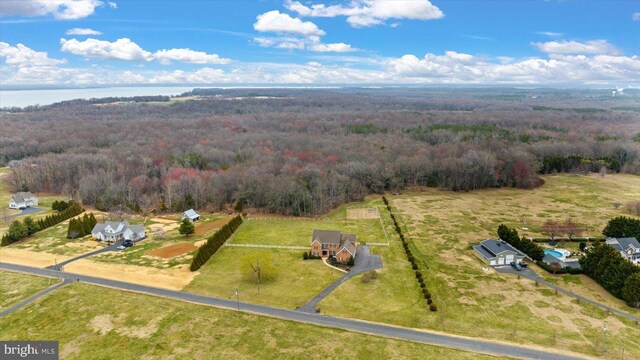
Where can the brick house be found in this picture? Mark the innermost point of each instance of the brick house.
(327, 243)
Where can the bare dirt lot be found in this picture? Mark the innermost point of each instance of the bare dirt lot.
(203, 228)
(357, 214)
(170, 251)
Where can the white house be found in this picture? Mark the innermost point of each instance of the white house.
(498, 252)
(191, 215)
(22, 200)
(629, 248)
(111, 231)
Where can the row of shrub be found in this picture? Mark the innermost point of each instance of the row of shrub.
(19, 230)
(81, 226)
(575, 239)
(309, 256)
(60, 205)
(214, 242)
(412, 259)
(566, 270)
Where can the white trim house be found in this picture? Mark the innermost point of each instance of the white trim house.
(111, 231)
(629, 248)
(22, 200)
(498, 252)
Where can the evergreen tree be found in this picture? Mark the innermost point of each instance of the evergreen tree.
(186, 227)
(17, 231)
(631, 290)
(31, 225)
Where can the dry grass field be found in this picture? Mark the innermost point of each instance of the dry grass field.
(442, 225)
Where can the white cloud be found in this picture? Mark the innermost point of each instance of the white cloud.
(277, 22)
(82, 31)
(112, 4)
(576, 47)
(21, 55)
(121, 49)
(635, 16)
(188, 56)
(127, 50)
(362, 13)
(335, 47)
(549, 33)
(59, 9)
(288, 43)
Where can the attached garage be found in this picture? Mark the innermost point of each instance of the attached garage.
(497, 253)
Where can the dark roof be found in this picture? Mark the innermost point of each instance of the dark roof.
(327, 236)
(497, 247)
(482, 251)
(550, 259)
(623, 244)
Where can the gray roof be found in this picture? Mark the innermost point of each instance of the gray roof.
(623, 244)
(550, 259)
(21, 196)
(327, 236)
(482, 251)
(191, 214)
(349, 243)
(497, 247)
(137, 228)
(99, 227)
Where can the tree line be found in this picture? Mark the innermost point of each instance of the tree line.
(19, 230)
(214, 242)
(81, 226)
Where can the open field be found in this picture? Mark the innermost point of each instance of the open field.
(443, 224)
(16, 287)
(88, 325)
(295, 283)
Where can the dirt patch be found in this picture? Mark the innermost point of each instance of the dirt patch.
(141, 332)
(102, 324)
(170, 251)
(30, 258)
(173, 278)
(202, 228)
(362, 213)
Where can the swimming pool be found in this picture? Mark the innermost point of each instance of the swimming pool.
(554, 253)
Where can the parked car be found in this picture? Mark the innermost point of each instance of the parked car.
(523, 264)
(516, 266)
(120, 247)
(127, 243)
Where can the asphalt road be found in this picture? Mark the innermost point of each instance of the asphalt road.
(530, 274)
(363, 262)
(112, 247)
(384, 330)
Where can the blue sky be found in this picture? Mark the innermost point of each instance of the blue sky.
(320, 42)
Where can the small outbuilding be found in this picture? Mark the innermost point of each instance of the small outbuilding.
(498, 253)
(191, 214)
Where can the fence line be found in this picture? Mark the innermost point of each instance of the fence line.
(283, 219)
(377, 244)
(268, 246)
(382, 225)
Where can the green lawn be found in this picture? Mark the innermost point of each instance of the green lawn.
(102, 323)
(442, 225)
(296, 280)
(16, 287)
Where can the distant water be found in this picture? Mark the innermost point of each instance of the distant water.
(22, 98)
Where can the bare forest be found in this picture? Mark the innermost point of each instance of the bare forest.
(304, 152)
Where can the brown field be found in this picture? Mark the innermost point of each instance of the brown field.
(358, 214)
(170, 251)
(203, 228)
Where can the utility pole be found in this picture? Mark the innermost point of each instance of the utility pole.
(237, 300)
(604, 338)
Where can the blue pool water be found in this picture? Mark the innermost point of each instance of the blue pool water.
(554, 253)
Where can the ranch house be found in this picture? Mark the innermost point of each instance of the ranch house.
(497, 252)
(112, 231)
(327, 243)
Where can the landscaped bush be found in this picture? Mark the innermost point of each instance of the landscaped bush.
(206, 251)
(429, 301)
(305, 256)
(368, 276)
(433, 307)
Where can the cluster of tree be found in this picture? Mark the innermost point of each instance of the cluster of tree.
(59, 205)
(19, 230)
(81, 226)
(306, 152)
(525, 245)
(214, 242)
(621, 227)
(411, 258)
(616, 274)
(555, 229)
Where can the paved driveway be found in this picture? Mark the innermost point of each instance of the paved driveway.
(363, 262)
(27, 211)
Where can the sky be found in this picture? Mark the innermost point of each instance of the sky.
(320, 42)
